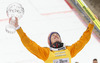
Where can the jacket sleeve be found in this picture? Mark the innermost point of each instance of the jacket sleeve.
(78, 46)
(40, 52)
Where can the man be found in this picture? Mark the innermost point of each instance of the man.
(57, 53)
(95, 61)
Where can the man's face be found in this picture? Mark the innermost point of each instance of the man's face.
(95, 62)
(54, 38)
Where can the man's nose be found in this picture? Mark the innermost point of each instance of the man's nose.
(56, 36)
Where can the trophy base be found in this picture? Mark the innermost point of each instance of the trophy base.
(10, 29)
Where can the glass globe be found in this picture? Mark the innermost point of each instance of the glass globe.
(13, 10)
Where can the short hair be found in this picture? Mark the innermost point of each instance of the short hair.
(95, 59)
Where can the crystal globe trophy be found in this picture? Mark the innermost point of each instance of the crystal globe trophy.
(14, 10)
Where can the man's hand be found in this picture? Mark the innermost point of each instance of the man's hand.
(14, 21)
(92, 22)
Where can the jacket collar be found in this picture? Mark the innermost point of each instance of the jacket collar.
(57, 49)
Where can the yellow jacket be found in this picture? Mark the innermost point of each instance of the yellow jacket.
(43, 52)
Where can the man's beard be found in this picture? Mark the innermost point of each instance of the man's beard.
(57, 45)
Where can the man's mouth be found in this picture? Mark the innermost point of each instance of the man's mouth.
(56, 38)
